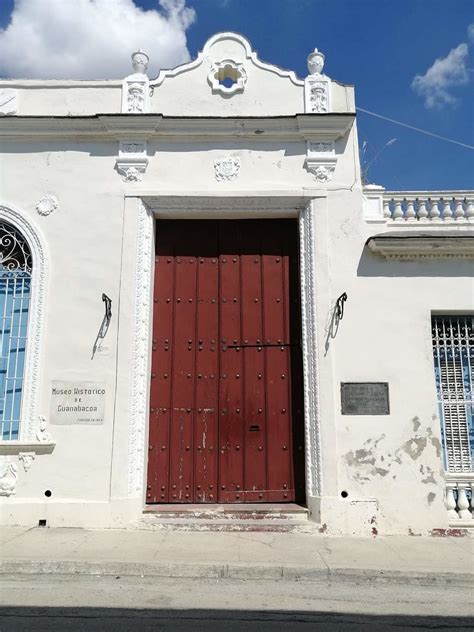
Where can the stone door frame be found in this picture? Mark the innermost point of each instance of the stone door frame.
(152, 206)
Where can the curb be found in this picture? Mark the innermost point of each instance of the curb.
(234, 571)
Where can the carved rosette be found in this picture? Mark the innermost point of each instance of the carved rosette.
(132, 160)
(47, 204)
(227, 169)
(321, 160)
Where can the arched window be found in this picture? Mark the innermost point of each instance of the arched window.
(15, 292)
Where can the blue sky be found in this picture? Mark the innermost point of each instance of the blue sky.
(377, 45)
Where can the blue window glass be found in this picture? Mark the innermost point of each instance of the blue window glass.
(15, 291)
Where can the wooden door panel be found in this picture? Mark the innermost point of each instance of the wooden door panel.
(222, 370)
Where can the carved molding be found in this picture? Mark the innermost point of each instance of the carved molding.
(8, 478)
(227, 169)
(141, 333)
(227, 69)
(132, 160)
(410, 245)
(317, 86)
(321, 160)
(47, 204)
(310, 352)
(39, 274)
(207, 54)
(136, 87)
(42, 433)
(140, 360)
(27, 458)
(8, 101)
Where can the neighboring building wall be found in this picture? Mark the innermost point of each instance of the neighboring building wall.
(390, 466)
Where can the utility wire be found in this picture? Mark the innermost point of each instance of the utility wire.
(416, 129)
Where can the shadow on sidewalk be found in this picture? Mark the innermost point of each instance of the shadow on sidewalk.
(18, 619)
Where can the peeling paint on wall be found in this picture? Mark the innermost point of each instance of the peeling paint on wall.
(370, 461)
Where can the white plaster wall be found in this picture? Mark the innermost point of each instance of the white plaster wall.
(66, 98)
(389, 465)
(385, 335)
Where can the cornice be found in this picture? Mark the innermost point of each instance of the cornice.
(423, 246)
(157, 126)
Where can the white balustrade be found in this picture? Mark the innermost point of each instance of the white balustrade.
(420, 207)
(459, 498)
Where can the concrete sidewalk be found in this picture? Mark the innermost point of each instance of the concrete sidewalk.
(238, 555)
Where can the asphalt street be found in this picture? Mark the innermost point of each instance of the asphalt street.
(81, 603)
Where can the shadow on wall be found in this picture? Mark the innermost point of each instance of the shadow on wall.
(17, 619)
(373, 265)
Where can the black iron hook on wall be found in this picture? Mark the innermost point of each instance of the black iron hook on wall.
(104, 326)
(336, 315)
(108, 308)
(340, 306)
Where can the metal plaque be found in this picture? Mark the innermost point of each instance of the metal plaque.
(74, 403)
(364, 398)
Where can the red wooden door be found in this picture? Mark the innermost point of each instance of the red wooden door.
(226, 404)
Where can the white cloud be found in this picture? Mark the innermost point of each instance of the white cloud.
(91, 39)
(470, 32)
(446, 73)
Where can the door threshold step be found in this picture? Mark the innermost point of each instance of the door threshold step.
(270, 526)
(271, 518)
(230, 508)
(199, 513)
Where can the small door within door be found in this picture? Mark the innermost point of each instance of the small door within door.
(226, 399)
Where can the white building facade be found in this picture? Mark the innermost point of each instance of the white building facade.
(93, 172)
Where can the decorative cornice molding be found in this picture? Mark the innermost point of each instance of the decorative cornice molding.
(326, 127)
(310, 352)
(459, 245)
(39, 275)
(140, 359)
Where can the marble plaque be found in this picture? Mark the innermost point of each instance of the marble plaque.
(76, 403)
(364, 398)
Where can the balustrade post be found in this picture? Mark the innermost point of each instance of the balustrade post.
(398, 212)
(451, 502)
(459, 209)
(469, 209)
(447, 213)
(387, 213)
(410, 214)
(463, 502)
(422, 211)
(434, 211)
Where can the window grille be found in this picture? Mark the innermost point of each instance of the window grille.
(15, 289)
(453, 350)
